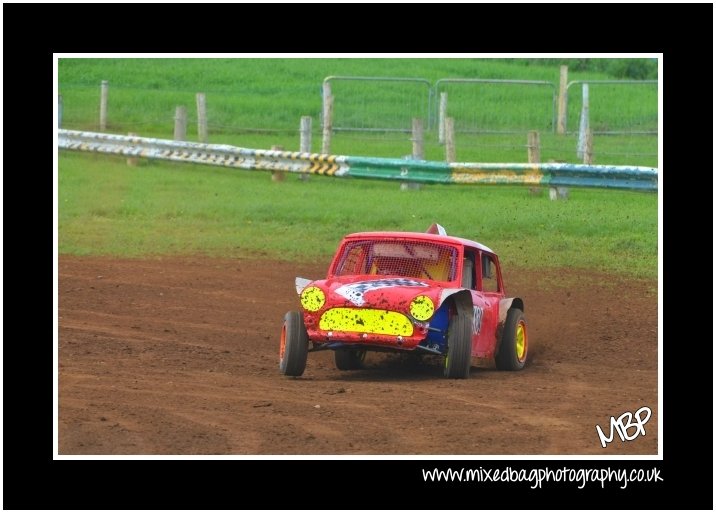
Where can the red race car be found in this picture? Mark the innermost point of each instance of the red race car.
(426, 293)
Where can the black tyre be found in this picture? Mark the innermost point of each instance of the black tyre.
(512, 353)
(349, 359)
(459, 341)
(293, 352)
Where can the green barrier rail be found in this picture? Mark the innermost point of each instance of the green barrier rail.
(420, 171)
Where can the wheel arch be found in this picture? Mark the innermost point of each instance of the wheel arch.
(506, 304)
(461, 298)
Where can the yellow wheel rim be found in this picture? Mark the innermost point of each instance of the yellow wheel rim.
(521, 341)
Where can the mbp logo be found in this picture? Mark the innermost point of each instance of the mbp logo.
(624, 423)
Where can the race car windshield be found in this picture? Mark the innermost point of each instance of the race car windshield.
(409, 259)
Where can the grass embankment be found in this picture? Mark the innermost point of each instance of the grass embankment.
(109, 208)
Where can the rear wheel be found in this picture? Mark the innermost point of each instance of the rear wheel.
(459, 341)
(349, 359)
(293, 351)
(512, 354)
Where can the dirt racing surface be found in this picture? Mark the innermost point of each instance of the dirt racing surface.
(180, 356)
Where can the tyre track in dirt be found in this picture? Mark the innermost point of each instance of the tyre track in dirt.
(180, 356)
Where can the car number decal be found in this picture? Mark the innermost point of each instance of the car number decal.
(476, 319)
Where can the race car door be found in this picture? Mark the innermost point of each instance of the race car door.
(485, 304)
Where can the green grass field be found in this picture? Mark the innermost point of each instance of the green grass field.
(257, 103)
(159, 208)
(109, 208)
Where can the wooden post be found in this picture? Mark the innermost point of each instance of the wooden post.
(441, 117)
(132, 161)
(450, 139)
(104, 93)
(201, 116)
(418, 150)
(180, 124)
(558, 192)
(533, 156)
(533, 150)
(277, 176)
(306, 122)
(562, 101)
(327, 118)
(588, 146)
(59, 111)
(583, 122)
(418, 139)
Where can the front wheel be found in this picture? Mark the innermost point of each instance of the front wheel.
(349, 359)
(293, 351)
(512, 354)
(459, 341)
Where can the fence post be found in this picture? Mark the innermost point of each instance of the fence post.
(201, 116)
(180, 124)
(305, 130)
(277, 176)
(533, 156)
(562, 101)
(306, 123)
(104, 93)
(441, 117)
(132, 161)
(450, 139)
(533, 149)
(418, 139)
(583, 122)
(327, 117)
(418, 150)
(59, 111)
(588, 146)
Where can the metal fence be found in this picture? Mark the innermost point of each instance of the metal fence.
(384, 104)
(606, 97)
(373, 116)
(475, 103)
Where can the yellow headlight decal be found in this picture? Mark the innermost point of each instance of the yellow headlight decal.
(422, 308)
(312, 299)
(363, 320)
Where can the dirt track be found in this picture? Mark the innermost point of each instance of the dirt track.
(180, 356)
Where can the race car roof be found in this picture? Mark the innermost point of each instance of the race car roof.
(419, 236)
